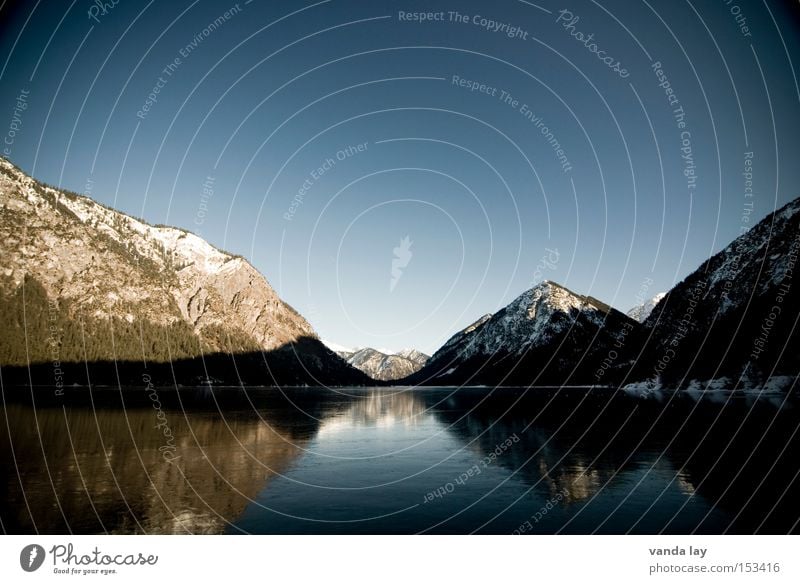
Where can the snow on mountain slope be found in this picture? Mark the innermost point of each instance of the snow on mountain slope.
(383, 366)
(737, 310)
(642, 311)
(337, 348)
(547, 320)
(529, 320)
(101, 264)
(413, 355)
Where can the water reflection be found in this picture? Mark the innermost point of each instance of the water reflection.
(362, 461)
(122, 463)
(117, 480)
(735, 457)
(380, 408)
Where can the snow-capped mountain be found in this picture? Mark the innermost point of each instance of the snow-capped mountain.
(642, 311)
(417, 357)
(120, 289)
(737, 310)
(337, 348)
(548, 334)
(383, 366)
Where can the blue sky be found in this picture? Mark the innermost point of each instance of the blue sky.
(332, 131)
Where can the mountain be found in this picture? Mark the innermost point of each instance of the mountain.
(548, 334)
(80, 282)
(336, 347)
(642, 311)
(91, 295)
(418, 357)
(733, 319)
(383, 366)
(737, 313)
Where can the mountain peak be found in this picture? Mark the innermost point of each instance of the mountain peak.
(556, 297)
(641, 311)
(542, 321)
(385, 366)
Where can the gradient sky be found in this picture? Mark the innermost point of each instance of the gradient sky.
(261, 102)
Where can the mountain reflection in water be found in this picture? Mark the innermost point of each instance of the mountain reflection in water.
(388, 460)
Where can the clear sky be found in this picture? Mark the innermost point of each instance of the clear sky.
(395, 177)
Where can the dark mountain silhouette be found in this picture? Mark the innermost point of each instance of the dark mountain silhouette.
(734, 319)
(735, 316)
(548, 335)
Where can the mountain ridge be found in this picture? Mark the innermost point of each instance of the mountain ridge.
(535, 338)
(718, 321)
(385, 366)
(115, 288)
(640, 312)
(83, 283)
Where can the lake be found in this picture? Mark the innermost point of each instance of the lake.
(397, 460)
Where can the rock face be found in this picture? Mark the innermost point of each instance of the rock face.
(736, 314)
(118, 288)
(641, 312)
(546, 335)
(385, 367)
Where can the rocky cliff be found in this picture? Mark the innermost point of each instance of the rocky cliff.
(80, 282)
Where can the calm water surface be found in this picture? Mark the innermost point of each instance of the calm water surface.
(394, 460)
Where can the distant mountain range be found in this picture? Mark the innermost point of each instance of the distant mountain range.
(91, 295)
(385, 366)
